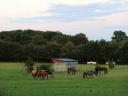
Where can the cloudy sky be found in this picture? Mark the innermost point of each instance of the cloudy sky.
(98, 19)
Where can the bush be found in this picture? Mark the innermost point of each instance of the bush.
(47, 67)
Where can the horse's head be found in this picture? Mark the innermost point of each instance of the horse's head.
(34, 71)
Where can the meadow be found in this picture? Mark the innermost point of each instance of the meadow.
(14, 81)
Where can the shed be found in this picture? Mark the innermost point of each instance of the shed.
(61, 64)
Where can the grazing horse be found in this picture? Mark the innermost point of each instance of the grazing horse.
(40, 74)
(71, 70)
(89, 74)
(98, 70)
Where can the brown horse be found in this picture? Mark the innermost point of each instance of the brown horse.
(40, 74)
(89, 74)
(71, 70)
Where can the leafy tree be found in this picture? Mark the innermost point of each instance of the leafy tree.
(123, 54)
(28, 50)
(53, 49)
(10, 51)
(119, 36)
(61, 38)
(17, 45)
(93, 51)
(39, 40)
(110, 64)
(40, 53)
(79, 39)
(29, 64)
(67, 49)
(79, 53)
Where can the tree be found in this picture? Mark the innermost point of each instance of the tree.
(29, 64)
(119, 36)
(79, 39)
(67, 49)
(53, 49)
(79, 53)
(40, 53)
(61, 38)
(10, 51)
(93, 51)
(123, 54)
(118, 41)
(39, 40)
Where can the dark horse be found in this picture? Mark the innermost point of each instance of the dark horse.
(89, 74)
(98, 70)
(71, 70)
(40, 74)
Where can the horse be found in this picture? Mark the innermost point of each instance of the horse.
(100, 69)
(71, 70)
(40, 74)
(89, 74)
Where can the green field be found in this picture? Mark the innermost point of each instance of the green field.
(14, 81)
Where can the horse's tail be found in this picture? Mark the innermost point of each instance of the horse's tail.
(46, 74)
(68, 70)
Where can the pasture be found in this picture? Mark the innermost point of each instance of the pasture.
(14, 81)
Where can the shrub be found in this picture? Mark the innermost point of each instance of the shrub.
(47, 67)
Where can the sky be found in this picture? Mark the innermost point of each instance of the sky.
(98, 19)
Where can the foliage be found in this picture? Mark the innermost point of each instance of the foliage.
(119, 36)
(17, 45)
(29, 64)
(111, 64)
(47, 67)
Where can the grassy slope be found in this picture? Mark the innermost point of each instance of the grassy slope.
(14, 81)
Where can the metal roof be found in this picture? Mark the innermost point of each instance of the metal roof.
(65, 59)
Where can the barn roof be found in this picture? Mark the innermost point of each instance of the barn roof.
(65, 59)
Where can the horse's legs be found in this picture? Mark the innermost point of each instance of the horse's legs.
(86, 75)
(38, 77)
(47, 76)
(43, 76)
(68, 71)
(34, 77)
(74, 72)
(83, 75)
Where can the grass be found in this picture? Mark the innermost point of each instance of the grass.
(14, 81)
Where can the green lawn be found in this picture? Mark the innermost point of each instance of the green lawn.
(14, 81)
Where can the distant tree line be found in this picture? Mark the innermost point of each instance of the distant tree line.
(17, 45)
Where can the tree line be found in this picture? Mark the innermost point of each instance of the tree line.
(17, 45)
